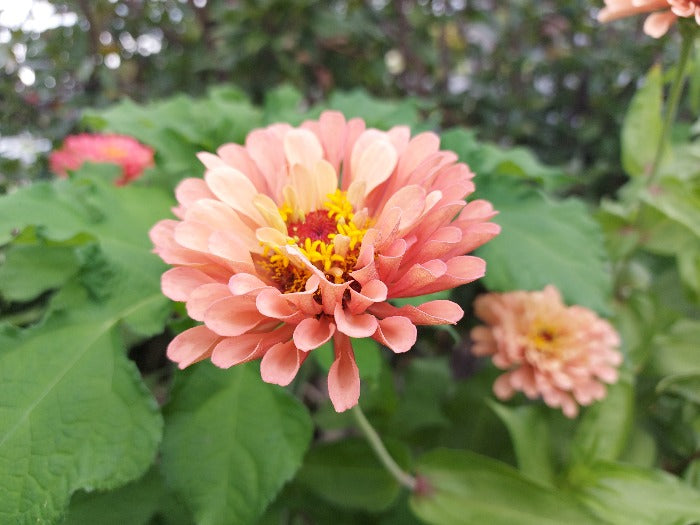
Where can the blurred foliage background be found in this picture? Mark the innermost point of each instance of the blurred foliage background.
(541, 74)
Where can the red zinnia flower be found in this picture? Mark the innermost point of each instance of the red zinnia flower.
(127, 152)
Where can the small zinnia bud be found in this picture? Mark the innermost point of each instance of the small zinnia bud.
(132, 156)
(302, 235)
(562, 354)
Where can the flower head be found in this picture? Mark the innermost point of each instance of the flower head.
(548, 349)
(302, 235)
(663, 12)
(125, 151)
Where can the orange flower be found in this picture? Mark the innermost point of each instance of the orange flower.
(125, 151)
(561, 354)
(302, 235)
(664, 12)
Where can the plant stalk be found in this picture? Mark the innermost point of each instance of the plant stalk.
(687, 38)
(404, 478)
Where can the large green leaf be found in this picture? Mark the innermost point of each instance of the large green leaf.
(231, 442)
(546, 242)
(464, 488)
(348, 474)
(641, 129)
(30, 269)
(605, 427)
(116, 220)
(74, 412)
(529, 432)
(627, 495)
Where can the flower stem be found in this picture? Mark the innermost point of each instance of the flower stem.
(404, 478)
(687, 38)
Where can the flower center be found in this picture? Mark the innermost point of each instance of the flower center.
(329, 237)
(545, 340)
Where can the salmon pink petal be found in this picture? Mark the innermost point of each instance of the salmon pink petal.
(237, 157)
(343, 376)
(302, 147)
(178, 283)
(372, 292)
(281, 363)
(190, 191)
(657, 24)
(192, 345)
(373, 164)
(397, 333)
(312, 333)
(429, 313)
(243, 283)
(358, 326)
(203, 297)
(233, 316)
(234, 189)
(236, 350)
(331, 127)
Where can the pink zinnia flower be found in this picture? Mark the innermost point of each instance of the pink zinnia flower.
(127, 152)
(664, 12)
(561, 354)
(304, 234)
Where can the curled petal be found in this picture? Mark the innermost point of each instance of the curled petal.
(192, 345)
(312, 333)
(203, 297)
(233, 316)
(281, 363)
(397, 333)
(358, 326)
(430, 313)
(178, 283)
(343, 376)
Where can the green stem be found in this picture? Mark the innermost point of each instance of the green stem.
(380, 450)
(673, 98)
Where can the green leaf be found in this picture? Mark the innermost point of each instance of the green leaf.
(178, 127)
(546, 242)
(348, 474)
(628, 495)
(74, 412)
(116, 219)
(529, 432)
(382, 114)
(31, 269)
(231, 442)
(676, 351)
(464, 488)
(488, 160)
(605, 427)
(135, 503)
(641, 129)
(426, 385)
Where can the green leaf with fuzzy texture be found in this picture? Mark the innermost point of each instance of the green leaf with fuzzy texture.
(231, 442)
(114, 220)
(628, 495)
(545, 242)
(74, 413)
(29, 270)
(464, 488)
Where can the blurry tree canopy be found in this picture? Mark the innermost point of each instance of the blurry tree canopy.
(543, 74)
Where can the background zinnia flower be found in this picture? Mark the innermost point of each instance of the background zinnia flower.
(125, 151)
(664, 12)
(303, 234)
(560, 353)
